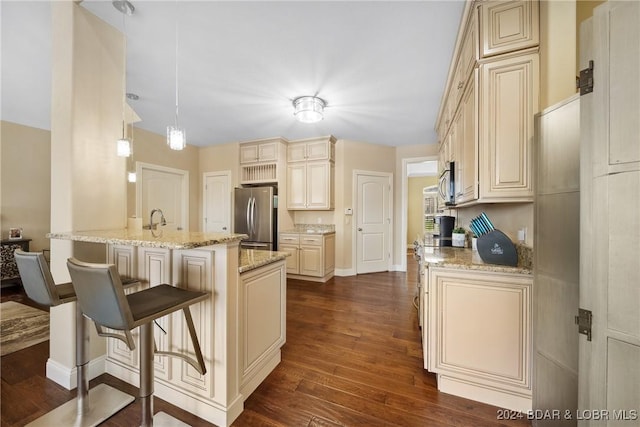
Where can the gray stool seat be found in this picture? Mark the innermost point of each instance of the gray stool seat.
(101, 297)
(90, 407)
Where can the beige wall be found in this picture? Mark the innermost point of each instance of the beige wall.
(415, 217)
(557, 51)
(149, 147)
(25, 176)
(88, 181)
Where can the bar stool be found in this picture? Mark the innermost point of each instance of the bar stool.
(102, 299)
(90, 407)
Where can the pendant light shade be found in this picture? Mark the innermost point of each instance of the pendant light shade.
(309, 109)
(123, 147)
(131, 176)
(176, 137)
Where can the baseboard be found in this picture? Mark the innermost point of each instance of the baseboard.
(520, 402)
(344, 272)
(68, 378)
(398, 267)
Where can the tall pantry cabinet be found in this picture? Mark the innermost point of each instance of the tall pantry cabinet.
(485, 123)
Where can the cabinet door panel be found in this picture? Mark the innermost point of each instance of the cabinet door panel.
(248, 153)
(268, 152)
(296, 153)
(508, 26)
(509, 100)
(297, 186)
(318, 150)
(311, 260)
(292, 259)
(469, 135)
(318, 185)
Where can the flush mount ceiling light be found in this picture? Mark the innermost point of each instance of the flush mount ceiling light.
(176, 136)
(309, 109)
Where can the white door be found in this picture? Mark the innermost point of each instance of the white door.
(373, 222)
(217, 202)
(166, 189)
(609, 376)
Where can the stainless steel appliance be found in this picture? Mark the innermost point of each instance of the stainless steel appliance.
(255, 214)
(447, 185)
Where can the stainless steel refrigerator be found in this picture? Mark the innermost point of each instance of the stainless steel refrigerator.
(255, 214)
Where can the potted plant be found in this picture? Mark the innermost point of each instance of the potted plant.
(458, 237)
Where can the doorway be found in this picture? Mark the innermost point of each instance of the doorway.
(164, 188)
(373, 221)
(413, 167)
(216, 215)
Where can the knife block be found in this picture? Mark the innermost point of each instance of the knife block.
(496, 248)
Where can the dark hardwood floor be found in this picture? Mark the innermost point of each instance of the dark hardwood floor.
(353, 357)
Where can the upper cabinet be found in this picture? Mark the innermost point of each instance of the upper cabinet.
(311, 174)
(254, 152)
(508, 26)
(486, 116)
(260, 161)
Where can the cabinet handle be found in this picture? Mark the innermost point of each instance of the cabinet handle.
(460, 85)
(359, 229)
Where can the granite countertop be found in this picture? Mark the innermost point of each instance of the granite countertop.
(252, 258)
(169, 239)
(468, 259)
(311, 229)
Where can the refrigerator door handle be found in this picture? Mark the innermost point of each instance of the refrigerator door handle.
(249, 216)
(253, 218)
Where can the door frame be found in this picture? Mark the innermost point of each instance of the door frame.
(354, 223)
(206, 175)
(404, 206)
(142, 166)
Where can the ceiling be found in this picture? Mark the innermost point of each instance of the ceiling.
(380, 65)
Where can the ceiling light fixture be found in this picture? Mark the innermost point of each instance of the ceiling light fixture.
(123, 145)
(309, 109)
(176, 136)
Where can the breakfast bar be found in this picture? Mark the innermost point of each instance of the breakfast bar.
(241, 327)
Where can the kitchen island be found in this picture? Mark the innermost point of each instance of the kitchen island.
(476, 334)
(241, 327)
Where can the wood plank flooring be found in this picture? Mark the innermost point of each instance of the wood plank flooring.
(353, 357)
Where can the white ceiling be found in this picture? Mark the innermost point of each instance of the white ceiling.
(380, 65)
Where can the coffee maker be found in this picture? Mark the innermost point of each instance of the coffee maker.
(445, 227)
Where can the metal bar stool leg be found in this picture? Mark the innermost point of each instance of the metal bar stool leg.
(90, 407)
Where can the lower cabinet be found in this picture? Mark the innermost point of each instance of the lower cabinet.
(312, 256)
(478, 335)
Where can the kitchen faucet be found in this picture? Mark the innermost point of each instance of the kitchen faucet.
(163, 221)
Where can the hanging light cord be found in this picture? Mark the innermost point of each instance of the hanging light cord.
(124, 72)
(176, 64)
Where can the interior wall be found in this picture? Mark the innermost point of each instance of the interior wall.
(557, 51)
(25, 178)
(149, 147)
(415, 213)
(88, 180)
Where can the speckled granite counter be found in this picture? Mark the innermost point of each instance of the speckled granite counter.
(311, 229)
(152, 239)
(251, 259)
(468, 259)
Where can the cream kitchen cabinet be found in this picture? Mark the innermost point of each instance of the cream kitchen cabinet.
(311, 174)
(478, 335)
(508, 26)
(254, 152)
(311, 149)
(311, 185)
(487, 114)
(312, 256)
(509, 94)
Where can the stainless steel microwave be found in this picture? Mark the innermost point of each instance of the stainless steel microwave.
(447, 185)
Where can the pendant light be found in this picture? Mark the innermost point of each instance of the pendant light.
(123, 145)
(176, 136)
